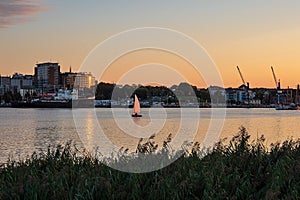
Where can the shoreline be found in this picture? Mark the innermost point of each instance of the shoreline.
(70, 105)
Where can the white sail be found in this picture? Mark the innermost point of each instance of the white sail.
(136, 106)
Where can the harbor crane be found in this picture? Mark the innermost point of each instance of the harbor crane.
(246, 85)
(241, 75)
(284, 99)
(277, 83)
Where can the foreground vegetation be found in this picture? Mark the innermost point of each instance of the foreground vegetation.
(237, 169)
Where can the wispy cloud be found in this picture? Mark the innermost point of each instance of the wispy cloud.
(14, 12)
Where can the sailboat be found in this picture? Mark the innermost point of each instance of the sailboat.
(136, 108)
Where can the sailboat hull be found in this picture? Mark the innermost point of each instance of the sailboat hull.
(136, 115)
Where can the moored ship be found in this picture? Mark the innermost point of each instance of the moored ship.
(62, 99)
(76, 103)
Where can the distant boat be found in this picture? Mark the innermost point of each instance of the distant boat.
(136, 108)
(291, 106)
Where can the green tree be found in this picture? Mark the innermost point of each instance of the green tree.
(17, 97)
(8, 97)
(104, 91)
(141, 92)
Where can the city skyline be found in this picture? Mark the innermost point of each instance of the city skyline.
(254, 35)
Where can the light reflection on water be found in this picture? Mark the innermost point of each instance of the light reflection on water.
(23, 131)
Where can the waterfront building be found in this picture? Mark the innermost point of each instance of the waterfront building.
(240, 95)
(16, 82)
(20, 81)
(215, 90)
(5, 84)
(231, 96)
(84, 80)
(85, 84)
(46, 76)
(67, 79)
(78, 80)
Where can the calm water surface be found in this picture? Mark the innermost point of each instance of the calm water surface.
(23, 131)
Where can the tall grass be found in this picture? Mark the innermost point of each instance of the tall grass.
(238, 169)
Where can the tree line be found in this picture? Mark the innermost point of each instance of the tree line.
(105, 91)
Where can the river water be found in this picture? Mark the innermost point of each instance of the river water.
(24, 131)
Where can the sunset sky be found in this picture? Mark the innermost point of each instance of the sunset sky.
(254, 35)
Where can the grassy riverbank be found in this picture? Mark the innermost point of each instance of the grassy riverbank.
(241, 169)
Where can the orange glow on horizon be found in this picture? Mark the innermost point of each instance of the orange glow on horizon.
(152, 61)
